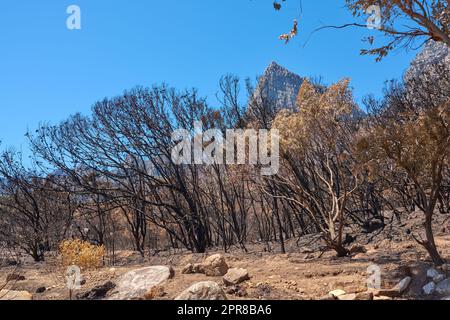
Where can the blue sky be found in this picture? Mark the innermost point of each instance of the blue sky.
(48, 72)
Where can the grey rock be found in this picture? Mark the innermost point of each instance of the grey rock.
(443, 287)
(337, 293)
(395, 291)
(431, 273)
(403, 285)
(429, 288)
(135, 284)
(439, 278)
(207, 290)
(235, 276)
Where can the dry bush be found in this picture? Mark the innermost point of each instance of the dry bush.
(81, 253)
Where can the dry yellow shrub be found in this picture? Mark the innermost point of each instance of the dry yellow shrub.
(81, 253)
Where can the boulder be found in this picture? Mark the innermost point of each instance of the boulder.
(188, 269)
(443, 287)
(215, 266)
(430, 288)
(192, 268)
(135, 284)
(207, 290)
(403, 285)
(6, 295)
(98, 292)
(439, 278)
(395, 291)
(431, 273)
(235, 276)
(337, 293)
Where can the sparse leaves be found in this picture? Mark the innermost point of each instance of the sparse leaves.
(288, 36)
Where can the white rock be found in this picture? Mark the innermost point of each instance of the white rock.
(136, 283)
(207, 290)
(443, 287)
(431, 273)
(438, 278)
(430, 288)
(403, 285)
(215, 266)
(337, 293)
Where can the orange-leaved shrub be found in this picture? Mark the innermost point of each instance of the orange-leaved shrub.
(81, 253)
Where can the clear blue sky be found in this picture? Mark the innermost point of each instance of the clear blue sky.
(48, 72)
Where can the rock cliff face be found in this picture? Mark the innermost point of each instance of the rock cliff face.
(432, 53)
(279, 86)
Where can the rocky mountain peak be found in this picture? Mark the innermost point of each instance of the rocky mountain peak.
(280, 86)
(432, 53)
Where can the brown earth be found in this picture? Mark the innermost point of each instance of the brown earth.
(305, 273)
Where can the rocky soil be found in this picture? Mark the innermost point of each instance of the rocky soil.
(305, 273)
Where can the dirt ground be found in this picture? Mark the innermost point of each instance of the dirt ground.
(302, 274)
